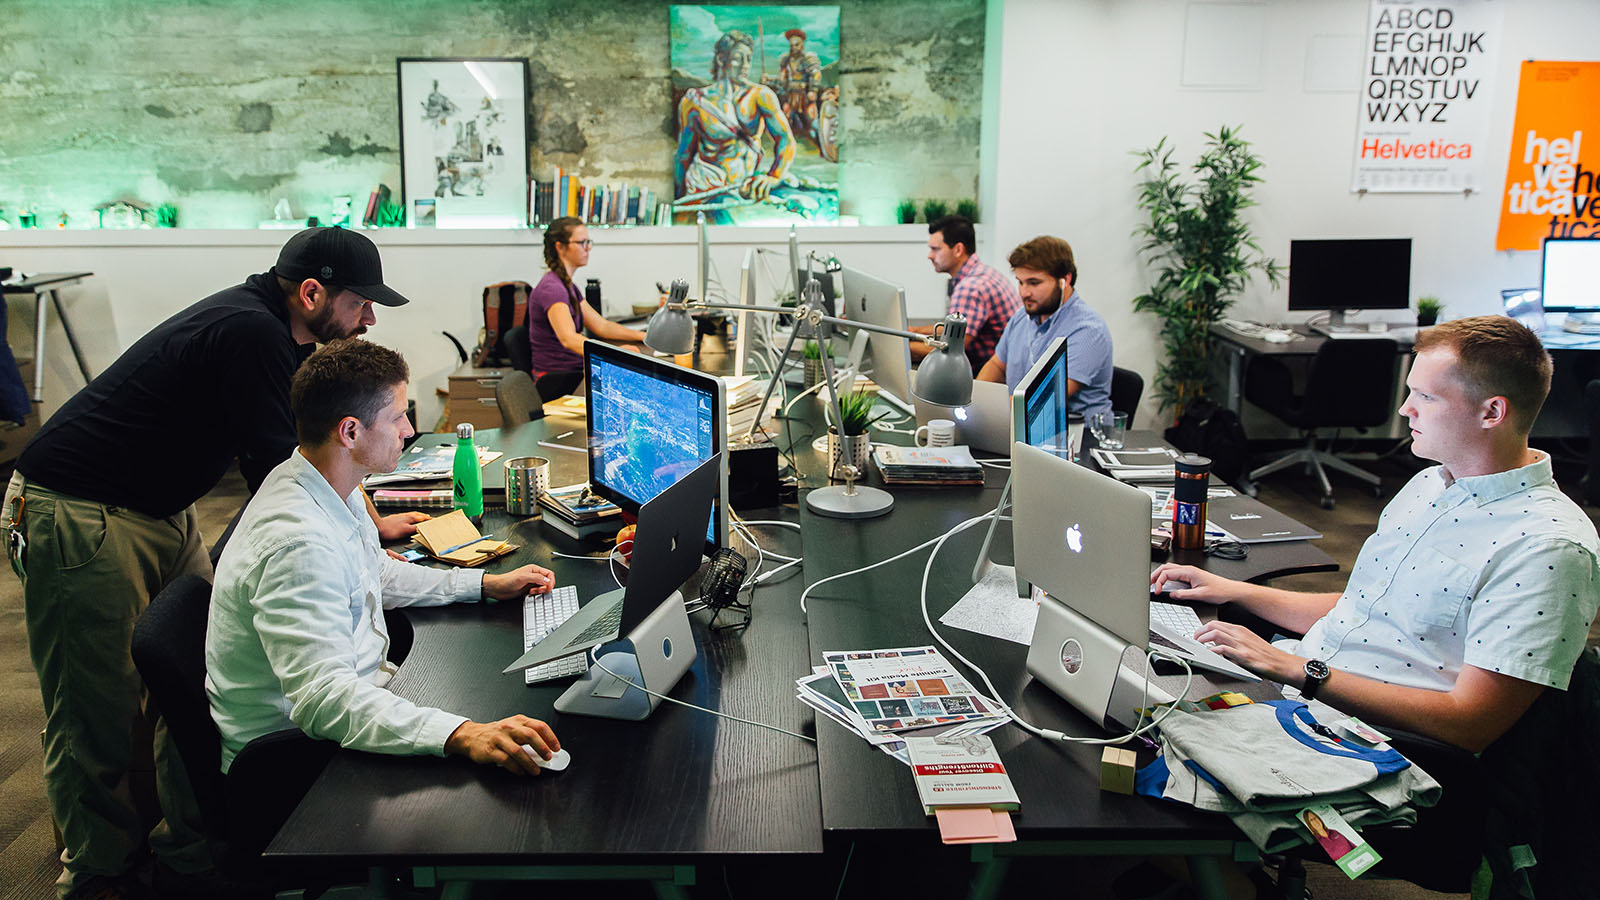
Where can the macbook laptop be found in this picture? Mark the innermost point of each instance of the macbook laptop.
(984, 424)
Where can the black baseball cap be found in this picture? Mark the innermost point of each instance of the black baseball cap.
(337, 256)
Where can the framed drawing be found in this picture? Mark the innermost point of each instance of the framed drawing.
(464, 142)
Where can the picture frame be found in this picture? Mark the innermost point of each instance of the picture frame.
(464, 141)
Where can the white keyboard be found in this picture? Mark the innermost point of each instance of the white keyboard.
(542, 614)
(1176, 616)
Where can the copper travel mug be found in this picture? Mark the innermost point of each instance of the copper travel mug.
(1189, 501)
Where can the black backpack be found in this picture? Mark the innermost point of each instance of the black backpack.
(1214, 431)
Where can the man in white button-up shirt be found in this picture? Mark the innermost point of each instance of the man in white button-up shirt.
(1479, 587)
(296, 636)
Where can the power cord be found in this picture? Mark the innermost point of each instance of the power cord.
(594, 660)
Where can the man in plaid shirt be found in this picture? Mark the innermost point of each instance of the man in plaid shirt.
(977, 291)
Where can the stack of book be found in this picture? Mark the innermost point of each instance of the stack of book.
(744, 393)
(577, 512)
(928, 465)
(1137, 464)
(617, 203)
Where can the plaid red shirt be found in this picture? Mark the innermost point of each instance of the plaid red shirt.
(988, 300)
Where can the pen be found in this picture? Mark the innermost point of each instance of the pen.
(562, 447)
(563, 434)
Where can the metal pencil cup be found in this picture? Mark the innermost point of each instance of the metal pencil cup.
(855, 450)
(527, 477)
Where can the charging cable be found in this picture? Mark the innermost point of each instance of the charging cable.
(594, 660)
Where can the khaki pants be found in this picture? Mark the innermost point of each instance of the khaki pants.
(89, 570)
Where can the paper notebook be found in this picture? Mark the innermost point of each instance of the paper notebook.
(454, 539)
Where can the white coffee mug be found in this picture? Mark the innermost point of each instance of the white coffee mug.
(937, 433)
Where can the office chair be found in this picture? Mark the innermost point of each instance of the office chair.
(1127, 387)
(169, 651)
(518, 399)
(1351, 385)
(1590, 484)
(516, 350)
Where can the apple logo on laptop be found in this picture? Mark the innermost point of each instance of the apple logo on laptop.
(1075, 538)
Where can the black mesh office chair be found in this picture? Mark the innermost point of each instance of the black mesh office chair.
(1127, 387)
(518, 399)
(518, 353)
(1351, 385)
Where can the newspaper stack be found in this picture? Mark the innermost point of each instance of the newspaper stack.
(427, 464)
(744, 393)
(1153, 464)
(882, 694)
(928, 465)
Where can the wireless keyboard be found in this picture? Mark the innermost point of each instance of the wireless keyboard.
(542, 614)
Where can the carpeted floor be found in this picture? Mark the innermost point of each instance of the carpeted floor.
(28, 859)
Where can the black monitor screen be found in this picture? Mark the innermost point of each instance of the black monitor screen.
(650, 423)
(1352, 274)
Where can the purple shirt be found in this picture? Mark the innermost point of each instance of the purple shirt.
(545, 349)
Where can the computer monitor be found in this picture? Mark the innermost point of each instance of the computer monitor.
(702, 258)
(1571, 275)
(650, 423)
(745, 322)
(873, 301)
(1340, 275)
(1039, 403)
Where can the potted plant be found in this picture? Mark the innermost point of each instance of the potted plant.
(967, 209)
(906, 212)
(1201, 251)
(1428, 311)
(855, 412)
(933, 210)
(812, 354)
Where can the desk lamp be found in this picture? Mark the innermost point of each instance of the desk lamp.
(944, 379)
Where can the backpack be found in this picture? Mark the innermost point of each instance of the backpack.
(505, 306)
(1213, 431)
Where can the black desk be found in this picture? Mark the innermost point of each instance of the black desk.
(868, 796)
(48, 285)
(680, 788)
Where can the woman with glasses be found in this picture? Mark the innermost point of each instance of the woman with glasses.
(557, 312)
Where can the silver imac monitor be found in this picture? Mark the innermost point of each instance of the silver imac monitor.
(885, 358)
(745, 322)
(1570, 275)
(1039, 404)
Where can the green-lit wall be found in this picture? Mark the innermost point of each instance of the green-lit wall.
(222, 107)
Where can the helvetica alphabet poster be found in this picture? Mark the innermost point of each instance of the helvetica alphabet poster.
(1555, 152)
(1425, 95)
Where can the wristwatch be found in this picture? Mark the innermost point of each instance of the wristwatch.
(1317, 673)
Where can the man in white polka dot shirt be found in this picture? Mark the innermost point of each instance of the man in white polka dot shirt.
(1479, 587)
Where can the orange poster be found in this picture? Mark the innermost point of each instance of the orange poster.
(1551, 189)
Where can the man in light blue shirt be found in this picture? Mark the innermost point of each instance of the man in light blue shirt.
(1047, 278)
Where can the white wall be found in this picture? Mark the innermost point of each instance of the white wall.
(1084, 83)
(142, 277)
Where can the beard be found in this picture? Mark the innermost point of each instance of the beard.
(323, 327)
(1048, 307)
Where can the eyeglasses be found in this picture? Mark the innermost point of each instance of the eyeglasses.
(586, 243)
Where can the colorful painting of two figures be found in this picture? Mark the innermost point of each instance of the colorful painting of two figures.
(756, 93)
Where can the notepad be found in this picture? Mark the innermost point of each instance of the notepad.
(454, 539)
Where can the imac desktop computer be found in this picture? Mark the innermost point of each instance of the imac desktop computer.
(1570, 281)
(1039, 403)
(885, 358)
(650, 423)
(1345, 275)
(745, 323)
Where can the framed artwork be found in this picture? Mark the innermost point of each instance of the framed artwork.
(755, 92)
(464, 142)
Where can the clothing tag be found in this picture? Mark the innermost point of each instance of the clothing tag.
(1343, 844)
(1361, 731)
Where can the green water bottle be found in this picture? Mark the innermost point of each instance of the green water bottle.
(466, 479)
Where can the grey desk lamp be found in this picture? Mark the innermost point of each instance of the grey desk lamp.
(944, 379)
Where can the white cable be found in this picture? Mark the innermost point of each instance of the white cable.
(581, 556)
(779, 522)
(611, 562)
(822, 581)
(994, 693)
(995, 464)
(595, 661)
(763, 579)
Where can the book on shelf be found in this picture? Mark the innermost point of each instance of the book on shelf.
(928, 465)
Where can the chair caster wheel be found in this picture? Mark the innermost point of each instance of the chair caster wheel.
(1327, 502)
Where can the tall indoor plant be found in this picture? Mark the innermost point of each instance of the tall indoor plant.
(1201, 251)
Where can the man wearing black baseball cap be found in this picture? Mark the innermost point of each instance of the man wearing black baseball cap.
(101, 516)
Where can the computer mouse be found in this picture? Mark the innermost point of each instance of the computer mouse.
(1173, 584)
(557, 762)
(1277, 337)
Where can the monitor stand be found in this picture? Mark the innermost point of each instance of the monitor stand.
(1075, 658)
(1338, 325)
(655, 654)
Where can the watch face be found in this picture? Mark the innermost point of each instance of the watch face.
(1317, 669)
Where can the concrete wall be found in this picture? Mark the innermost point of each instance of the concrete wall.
(224, 106)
